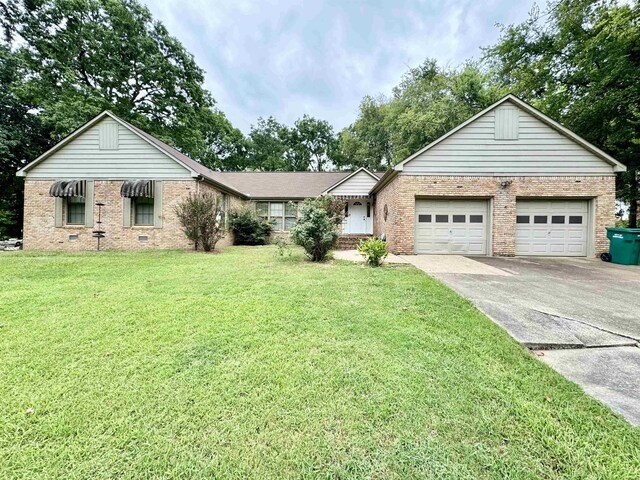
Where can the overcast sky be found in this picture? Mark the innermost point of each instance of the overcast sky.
(287, 58)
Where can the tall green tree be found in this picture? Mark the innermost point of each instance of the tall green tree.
(268, 145)
(317, 139)
(579, 62)
(310, 144)
(84, 56)
(22, 138)
(428, 102)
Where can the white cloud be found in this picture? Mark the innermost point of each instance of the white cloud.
(287, 58)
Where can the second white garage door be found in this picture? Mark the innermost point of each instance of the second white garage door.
(552, 227)
(452, 226)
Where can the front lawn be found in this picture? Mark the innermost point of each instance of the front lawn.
(184, 365)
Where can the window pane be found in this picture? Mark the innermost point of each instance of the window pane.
(291, 209)
(262, 209)
(575, 220)
(459, 218)
(276, 209)
(475, 218)
(424, 218)
(522, 219)
(557, 219)
(289, 223)
(75, 210)
(539, 219)
(143, 209)
(442, 218)
(277, 223)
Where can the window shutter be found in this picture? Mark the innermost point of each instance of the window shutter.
(506, 123)
(58, 212)
(157, 204)
(126, 212)
(88, 204)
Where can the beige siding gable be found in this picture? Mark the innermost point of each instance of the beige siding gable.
(528, 147)
(359, 184)
(108, 150)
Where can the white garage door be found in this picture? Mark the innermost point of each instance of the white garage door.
(552, 227)
(452, 226)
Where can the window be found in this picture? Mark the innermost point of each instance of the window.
(368, 209)
(522, 219)
(275, 214)
(557, 219)
(283, 215)
(577, 220)
(290, 215)
(75, 210)
(459, 218)
(142, 211)
(540, 219)
(442, 218)
(424, 218)
(475, 218)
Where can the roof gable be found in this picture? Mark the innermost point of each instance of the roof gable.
(104, 148)
(359, 182)
(142, 156)
(543, 147)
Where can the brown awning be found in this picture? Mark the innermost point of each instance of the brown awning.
(137, 188)
(67, 188)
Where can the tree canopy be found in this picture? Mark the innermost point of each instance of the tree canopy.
(310, 144)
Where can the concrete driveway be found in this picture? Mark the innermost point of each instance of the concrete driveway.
(564, 306)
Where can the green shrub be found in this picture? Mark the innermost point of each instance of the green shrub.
(373, 250)
(284, 249)
(200, 216)
(316, 230)
(248, 229)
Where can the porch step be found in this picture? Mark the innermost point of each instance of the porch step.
(350, 241)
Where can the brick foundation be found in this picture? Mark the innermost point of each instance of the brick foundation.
(41, 234)
(400, 195)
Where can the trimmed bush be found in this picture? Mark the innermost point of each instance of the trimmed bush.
(316, 230)
(248, 229)
(374, 251)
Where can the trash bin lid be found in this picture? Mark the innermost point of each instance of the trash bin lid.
(623, 230)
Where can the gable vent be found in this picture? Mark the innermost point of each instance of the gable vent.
(108, 133)
(506, 123)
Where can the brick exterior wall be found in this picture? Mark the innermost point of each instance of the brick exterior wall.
(41, 234)
(400, 196)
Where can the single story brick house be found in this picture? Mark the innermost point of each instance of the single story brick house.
(508, 181)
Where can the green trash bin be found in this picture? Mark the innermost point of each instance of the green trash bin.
(624, 245)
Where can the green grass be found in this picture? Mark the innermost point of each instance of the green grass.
(184, 365)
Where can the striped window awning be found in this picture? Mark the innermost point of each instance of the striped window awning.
(67, 188)
(137, 188)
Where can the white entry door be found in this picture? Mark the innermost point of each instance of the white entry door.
(357, 220)
(552, 227)
(452, 226)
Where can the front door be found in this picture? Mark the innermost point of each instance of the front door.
(357, 218)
